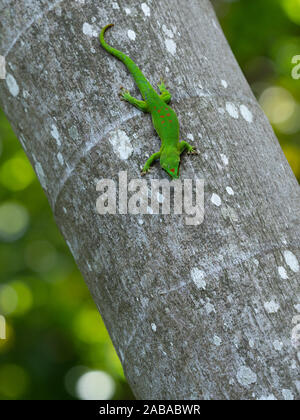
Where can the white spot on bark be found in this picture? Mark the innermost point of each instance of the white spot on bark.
(145, 9)
(246, 376)
(22, 141)
(127, 11)
(297, 307)
(171, 46)
(282, 272)
(60, 158)
(141, 221)
(12, 85)
(88, 30)
(55, 134)
(217, 340)
(271, 307)
(224, 159)
(287, 394)
(121, 144)
(204, 94)
(269, 397)
(246, 113)
(190, 136)
(209, 308)
(160, 197)
(216, 200)
(64, 210)
(229, 191)
(121, 355)
(73, 132)
(251, 343)
(221, 111)
(149, 210)
(277, 345)
(167, 31)
(153, 326)
(291, 261)
(224, 84)
(229, 213)
(131, 34)
(198, 278)
(40, 173)
(115, 6)
(232, 110)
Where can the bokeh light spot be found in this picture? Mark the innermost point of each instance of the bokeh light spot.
(95, 385)
(14, 220)
(278, 104)
(8, 299)
(292, 9)
(24, 295)
(292, 124)
(16, 173)
(72, 377)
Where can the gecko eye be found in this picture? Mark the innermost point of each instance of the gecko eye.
(172, 170)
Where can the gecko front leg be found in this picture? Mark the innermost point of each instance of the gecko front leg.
(125, 96)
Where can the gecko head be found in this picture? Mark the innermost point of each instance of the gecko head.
(170, 163)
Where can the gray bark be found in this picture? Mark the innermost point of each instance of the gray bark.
(194, 312)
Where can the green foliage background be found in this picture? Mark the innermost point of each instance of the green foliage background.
(54, 331)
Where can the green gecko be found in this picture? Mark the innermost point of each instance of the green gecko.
(164, 118)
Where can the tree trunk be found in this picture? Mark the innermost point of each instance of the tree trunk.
(194, 312)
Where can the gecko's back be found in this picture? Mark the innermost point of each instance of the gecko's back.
(164, 118)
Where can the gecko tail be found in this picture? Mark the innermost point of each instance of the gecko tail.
(102, 40)
(121, 56)
(138, 76)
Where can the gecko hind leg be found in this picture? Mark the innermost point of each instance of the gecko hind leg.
(149, 162)
(184, 145)
(125, 96)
